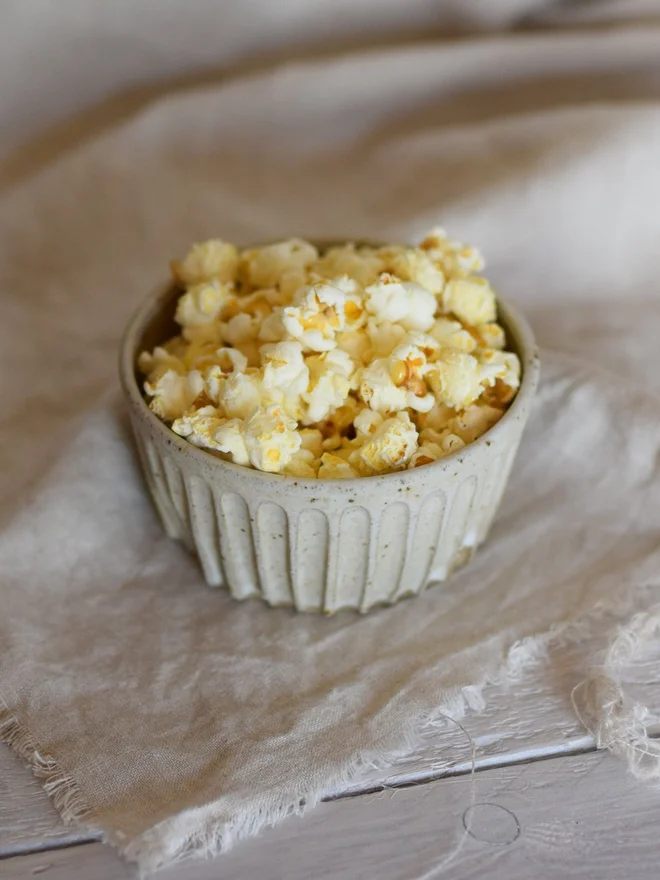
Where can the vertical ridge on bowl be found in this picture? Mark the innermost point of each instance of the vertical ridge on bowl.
(177, 495)
(237, 543)
(204, 529)
(426, 537)
(270, 529)
(352, 541)
(312, 559)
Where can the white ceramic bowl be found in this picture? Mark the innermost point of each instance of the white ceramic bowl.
(322, 545)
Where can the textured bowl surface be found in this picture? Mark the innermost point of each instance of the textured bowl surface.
(322, 545)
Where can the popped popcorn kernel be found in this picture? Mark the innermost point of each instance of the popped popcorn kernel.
(271, 439)
(401, 302)
(457, 378)
(392, 444)
(207, 261)
(335, 468)
(471, 299)
(357, 361)
(265, 267)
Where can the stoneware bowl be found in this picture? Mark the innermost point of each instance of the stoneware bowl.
(322, 545)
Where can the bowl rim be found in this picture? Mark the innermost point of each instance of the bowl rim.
(515, 325)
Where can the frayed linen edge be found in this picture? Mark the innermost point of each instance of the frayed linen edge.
(201, 833)
(58, 785)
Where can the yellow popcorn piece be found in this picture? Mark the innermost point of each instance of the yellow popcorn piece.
(208, 429)
(506, 363)
(284, 368)
(329, 384)
(311, 440)
(472, 300)
(271, 439)
(207, 261)
(457, 378)
(452, 333)
(392, 444)
(426, 453)
(321, 311)
(367, 422)
(202, 303)
(303, 463)
(491, 336)
(401, 302)
(335, 468)
(363, 265)
(436, 418)
(384, 337)
(356, 344)
(414, 264)
(397, 382)
(474, 421)
(241, 395)
(265, 267)
(155, 364)
(172, 393)
(455, 259)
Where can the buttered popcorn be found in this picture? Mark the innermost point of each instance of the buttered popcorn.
(353, 362)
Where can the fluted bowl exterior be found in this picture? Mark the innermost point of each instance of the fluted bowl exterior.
(323, 545)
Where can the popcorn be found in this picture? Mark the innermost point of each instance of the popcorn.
(384, 337)
(401, 302)
(356, 344)
(242, 331)
(506, 363)
(392, 444)
(241, 394)
(363, 265)
(172, 393)
(311, 440)
(329, 384)
(457, 378)
(455, 259)
(271, 439)
(284, 368)
(155, 364)
(426, 454)
(202, 303)
(335, 468)
(367, 422)
(358, 361)
(414, 264)
(302, 463)
(453, 334)
(436, 418)
(207, 261)
(471, 299)
(491, 336)
(321, 310)
(206, 428)
(474, 421)
(265, 267)
(395, 383)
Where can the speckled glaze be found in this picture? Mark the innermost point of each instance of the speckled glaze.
(322, 545)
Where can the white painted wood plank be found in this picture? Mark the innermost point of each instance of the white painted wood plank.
(581, 816)
(532, 718)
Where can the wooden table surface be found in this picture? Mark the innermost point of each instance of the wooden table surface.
(541, 802)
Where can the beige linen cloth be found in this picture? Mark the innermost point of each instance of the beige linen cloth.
(172, 718)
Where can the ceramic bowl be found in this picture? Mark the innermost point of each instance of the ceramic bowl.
(322, 545)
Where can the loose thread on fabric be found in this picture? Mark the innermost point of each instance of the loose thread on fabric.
(615, 722)
(449, 858)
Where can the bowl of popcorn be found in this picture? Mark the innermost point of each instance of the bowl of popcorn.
(328, 425)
